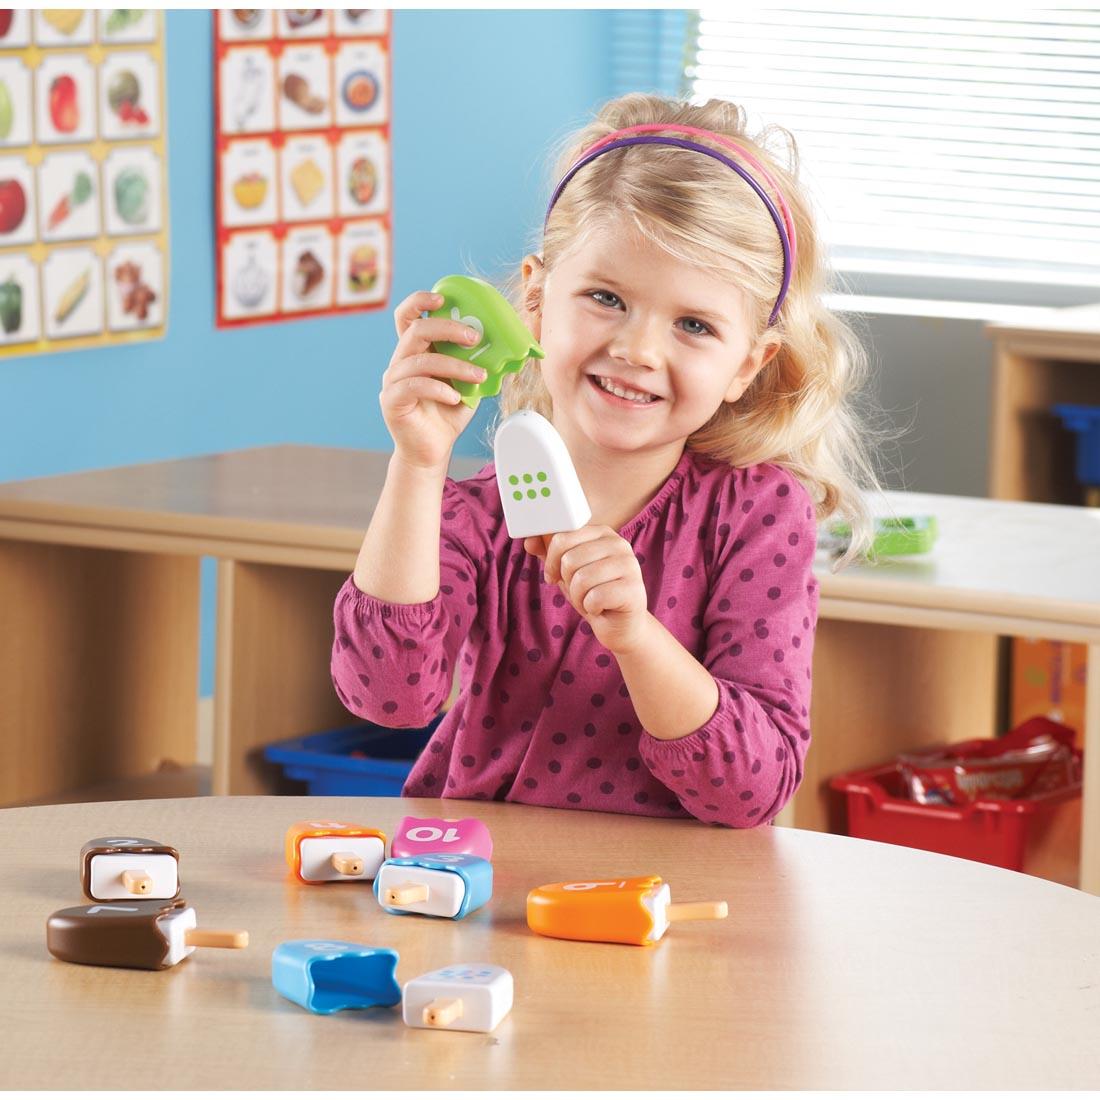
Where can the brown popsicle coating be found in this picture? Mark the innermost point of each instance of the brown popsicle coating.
(107, 845)
(112, 933)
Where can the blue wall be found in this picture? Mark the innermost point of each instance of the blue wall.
(478, 98)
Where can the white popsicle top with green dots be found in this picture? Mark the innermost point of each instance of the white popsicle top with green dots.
(539, 487)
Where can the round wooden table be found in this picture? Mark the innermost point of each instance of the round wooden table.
(842, 965)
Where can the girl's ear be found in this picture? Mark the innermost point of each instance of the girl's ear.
(763, 352)
(534, 274)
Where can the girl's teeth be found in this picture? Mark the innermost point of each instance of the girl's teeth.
(630, 395)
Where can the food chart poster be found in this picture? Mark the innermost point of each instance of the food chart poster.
(83, 179)
(302, 155)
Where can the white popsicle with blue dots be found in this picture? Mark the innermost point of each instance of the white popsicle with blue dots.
(462, 997)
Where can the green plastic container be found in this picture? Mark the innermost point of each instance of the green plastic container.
(894, 536)
(505, 344)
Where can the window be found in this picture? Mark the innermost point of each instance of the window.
(941, 150)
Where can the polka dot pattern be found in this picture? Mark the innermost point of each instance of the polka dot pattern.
(543, 714)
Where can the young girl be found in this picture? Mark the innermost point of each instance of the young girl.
(657, 661)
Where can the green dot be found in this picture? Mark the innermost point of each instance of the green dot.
(513, 480)
(546, 492)
(541, 476)
(527, 478)
(517, 495)
(531, 493)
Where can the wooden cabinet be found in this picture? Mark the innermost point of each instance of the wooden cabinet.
(1052, 358)
(100, 622)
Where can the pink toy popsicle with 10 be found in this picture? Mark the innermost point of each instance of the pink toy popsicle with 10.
(418, 836)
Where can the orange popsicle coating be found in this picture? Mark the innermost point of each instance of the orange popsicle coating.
(610, 911)
(303, 829)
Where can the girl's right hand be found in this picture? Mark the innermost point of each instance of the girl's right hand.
(424, 414)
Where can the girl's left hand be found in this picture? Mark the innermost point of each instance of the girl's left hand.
(597, 571)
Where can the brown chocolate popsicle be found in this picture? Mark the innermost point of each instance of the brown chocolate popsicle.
(125, 867)
(144, 935)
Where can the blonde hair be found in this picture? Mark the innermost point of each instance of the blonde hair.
(798, 411)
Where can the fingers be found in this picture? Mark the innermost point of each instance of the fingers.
(567, 542)
(430, 364)
(583, 580)
(416, 333)
(612, 596)
(425, 331)
(535, 545)
(420, 301)
(596, 570)
(415, 369)
(579, 557)
(406, 393)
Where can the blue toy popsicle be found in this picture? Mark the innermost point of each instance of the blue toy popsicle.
(441, 885)
(327, 976)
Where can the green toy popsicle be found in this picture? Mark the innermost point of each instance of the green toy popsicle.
(505, 343)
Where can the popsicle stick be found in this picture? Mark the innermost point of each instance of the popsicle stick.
(698, 910)
(442, 1011)
(406, 893)
(137, 882)
(347, 863)
(209, 937)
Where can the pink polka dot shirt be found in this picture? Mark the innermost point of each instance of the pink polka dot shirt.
(543, 715)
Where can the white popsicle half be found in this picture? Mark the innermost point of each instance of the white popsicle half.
(106, 875)
(445, 891)
(318, 851)
(539, 487)
(464, 997)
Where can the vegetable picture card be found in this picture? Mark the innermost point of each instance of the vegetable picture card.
(83, 179)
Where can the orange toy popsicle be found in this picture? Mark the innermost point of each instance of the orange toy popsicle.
(629, 910)
(332, 851)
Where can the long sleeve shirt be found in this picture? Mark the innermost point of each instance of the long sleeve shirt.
(543, 715)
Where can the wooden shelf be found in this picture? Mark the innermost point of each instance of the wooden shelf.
(1032, 455)
(172, 781)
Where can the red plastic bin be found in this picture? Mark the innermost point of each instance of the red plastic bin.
(1039, 836)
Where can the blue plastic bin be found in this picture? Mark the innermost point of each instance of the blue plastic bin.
(1085, 421)
(325, 762)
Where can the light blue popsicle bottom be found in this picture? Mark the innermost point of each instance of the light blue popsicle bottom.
(329, 976)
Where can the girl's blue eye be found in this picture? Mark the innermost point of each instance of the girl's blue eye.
(600, 295)
(691, 330)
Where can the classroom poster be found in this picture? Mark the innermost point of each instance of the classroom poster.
(83, 179)
(302, 155)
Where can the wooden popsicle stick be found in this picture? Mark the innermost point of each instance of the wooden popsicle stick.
(209, 937)
(698, 910)
(137, 882)
(442, 1011)
(406, 893)
(347, 863)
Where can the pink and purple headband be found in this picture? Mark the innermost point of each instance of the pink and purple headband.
(642, 135)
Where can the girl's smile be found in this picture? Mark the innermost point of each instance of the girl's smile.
(621, 395)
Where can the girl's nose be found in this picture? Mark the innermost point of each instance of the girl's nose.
(638, 341)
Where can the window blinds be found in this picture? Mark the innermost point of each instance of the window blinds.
(648, 50)
(946, 140)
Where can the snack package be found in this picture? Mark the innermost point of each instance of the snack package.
(1035, 758)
